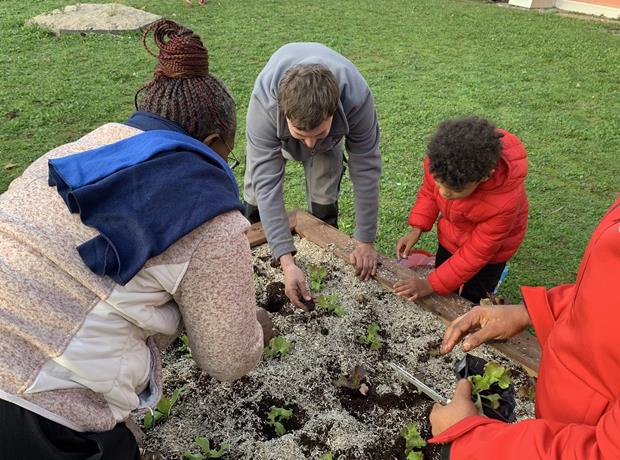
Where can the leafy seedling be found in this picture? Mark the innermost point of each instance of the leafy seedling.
(354, 381)
(317, 276)
(331, 305)
(493, 374)
(371, 339)
(184, 348)
(163, 408)
(413, 442)
(327, 456)
(277, 348)
(205, 450)
(276, 416)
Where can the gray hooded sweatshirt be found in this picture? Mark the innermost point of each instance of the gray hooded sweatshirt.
(268, 134)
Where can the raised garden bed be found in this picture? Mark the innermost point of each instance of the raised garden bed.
(326, 416)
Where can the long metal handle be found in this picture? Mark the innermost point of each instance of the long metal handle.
(419, 384)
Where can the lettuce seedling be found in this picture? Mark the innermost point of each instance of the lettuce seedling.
(354, 381)
(493, 373)
(276, 416)
(184, 348)
(371, 339)
(277, 347)
(331, 305)
(327, 456)
(206, 451)
(163, 408)
(413, 441)
(317, 276)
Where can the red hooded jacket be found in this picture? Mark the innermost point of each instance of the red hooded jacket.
(578, 390)
(486, 227)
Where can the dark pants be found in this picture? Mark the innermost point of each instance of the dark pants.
(482, 284)
(328, 213)
(25, 435)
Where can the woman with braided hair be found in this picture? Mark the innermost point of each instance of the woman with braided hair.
(110, 245)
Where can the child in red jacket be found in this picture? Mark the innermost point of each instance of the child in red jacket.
(474, 179)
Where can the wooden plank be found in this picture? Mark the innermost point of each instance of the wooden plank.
(256, 234)
(523, 348)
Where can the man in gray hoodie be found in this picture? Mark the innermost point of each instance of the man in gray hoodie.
(308, 104)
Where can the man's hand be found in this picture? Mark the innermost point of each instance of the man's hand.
(413, 288)
(461, 406)
(493, 322)
(364, 259)
(294, 282)
(407, 242)
(265, 321)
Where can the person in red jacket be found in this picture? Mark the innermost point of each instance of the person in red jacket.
(578, 389)
(474, 178)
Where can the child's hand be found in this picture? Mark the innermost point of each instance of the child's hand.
(413, 288)
(407, 242)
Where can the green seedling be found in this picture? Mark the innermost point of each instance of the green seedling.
(413, 441)
(354, 381)
(331, 305)
(276, 416)
(277, 348)
(327, 456)
(184, 348)
(493, 373)
(317, 276)
(371, 339)
(163, 408)
(205, 450)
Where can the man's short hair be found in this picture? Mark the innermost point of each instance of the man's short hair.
(464, 150)
(308, 95)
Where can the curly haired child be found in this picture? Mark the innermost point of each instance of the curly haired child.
(474, 180)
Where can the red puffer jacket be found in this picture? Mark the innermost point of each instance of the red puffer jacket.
(486, 227)
(578, 390)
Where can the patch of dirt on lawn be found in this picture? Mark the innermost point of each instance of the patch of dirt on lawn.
(326, 418)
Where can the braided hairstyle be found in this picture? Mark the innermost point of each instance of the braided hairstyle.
(182, 89)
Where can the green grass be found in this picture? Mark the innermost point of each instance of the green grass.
(551, 80)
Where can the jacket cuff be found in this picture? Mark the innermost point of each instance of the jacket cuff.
(459, 429)
(365, 236)
(537, 304)
(421, 221)
(279, 249)
(437, 285)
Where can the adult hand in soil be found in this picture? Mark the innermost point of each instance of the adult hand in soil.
(294, 282)
(492, 322)
(461, 406)
(407, 242)
(364, 259)
(413, 288)
(265, 321)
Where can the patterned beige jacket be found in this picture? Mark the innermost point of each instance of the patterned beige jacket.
(83, 351)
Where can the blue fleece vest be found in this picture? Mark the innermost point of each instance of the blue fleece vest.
(142, 194)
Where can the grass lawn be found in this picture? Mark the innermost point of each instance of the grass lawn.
(553, 81)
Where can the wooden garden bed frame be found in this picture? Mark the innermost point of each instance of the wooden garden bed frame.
(523, 348)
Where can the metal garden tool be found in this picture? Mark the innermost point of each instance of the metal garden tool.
(421, 386)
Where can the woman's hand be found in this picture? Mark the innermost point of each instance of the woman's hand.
(461, 406)
(494, 322)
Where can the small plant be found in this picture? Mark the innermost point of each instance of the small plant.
(277, 347)
(371, 339)
(163, 408)
(276, 416)
(331, 305)
(354, 381)
(317, 276)
(184, 348)
(206, 451)
(493, 373)
(327, 456)
(413, 441)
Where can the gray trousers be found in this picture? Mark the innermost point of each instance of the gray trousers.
(323, 173)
